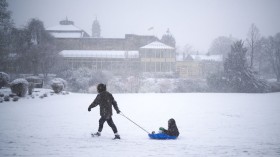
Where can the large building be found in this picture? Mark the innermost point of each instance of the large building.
(117, 61)
(132, 54)
(67, 29)
(157, 57)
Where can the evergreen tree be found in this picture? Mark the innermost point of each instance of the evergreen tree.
(6, 26)
(96, 30)
(237, 76)
(236, 61)
(168, 39)
(240, 77)
(36, 50)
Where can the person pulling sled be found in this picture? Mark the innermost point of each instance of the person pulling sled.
(105, 100)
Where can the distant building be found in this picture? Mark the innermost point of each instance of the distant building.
(133, 54)
(197, 66)
(103, 60)
(154, 57)
(67, 29)
(157, 57)
(96, 30)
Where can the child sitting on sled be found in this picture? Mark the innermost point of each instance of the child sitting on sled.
(171, 133)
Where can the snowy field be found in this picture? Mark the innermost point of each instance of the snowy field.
(209, 124)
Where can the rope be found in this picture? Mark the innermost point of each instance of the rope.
(134, 123)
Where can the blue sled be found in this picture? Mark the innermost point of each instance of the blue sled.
(162, 136)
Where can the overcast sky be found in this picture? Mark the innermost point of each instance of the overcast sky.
(193, 22)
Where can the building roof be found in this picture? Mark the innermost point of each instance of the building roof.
(217, 58)
(99, 54)
(67, 34)
(67, 31)
(156, 45)
(64, 28)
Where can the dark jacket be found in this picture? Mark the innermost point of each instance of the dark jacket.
(172, 128)
(105, 100)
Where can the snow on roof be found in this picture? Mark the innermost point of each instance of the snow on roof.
(64, 28)
(217, 58)
(66, 31)
(99, 54)
(156, 45)
(67, 34)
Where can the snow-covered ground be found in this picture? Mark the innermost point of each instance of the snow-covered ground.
(209, 124)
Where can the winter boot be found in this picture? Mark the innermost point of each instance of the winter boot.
(96, 134)
(117, 137)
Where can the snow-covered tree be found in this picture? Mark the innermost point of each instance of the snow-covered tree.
(276, 54)
(19, 87)
(80, 80)
(6, 26)
(168, 39)
(263, 57)
(4, 79)
(96, 30)
(58, 84)
(237, 75)
(35, 49)
(272, 47)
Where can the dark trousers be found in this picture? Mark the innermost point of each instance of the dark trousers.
(110, 123)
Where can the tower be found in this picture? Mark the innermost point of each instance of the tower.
(96, 31)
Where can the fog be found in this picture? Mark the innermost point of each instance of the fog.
(193, 22)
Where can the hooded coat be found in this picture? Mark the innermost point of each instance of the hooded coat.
(105, 100)
(172, 128)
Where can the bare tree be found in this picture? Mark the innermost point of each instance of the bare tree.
(221, 46)
(188, 49)
(252, 40)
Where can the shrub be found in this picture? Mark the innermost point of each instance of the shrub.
(15, 98)
(58, 84)
(189, 85)
(19, 87)
(6, 98)
(30, 88)
(217, 83)
(275, 86)
(157, 85)
(4, 79)
(81, 79)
